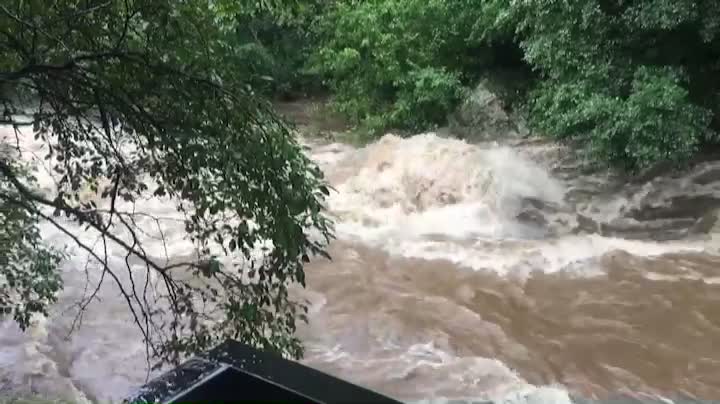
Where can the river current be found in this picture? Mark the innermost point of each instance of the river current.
(494, 272)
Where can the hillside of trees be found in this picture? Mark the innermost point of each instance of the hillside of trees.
(635, 82)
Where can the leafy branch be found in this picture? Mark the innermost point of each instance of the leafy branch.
(128, 104)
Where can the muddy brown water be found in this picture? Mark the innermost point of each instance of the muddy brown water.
(499, 272)
(600, 336)
(630, 320)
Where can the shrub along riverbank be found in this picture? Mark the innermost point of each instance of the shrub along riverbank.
(636, 83)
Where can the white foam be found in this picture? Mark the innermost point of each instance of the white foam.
(429, 197)
(416, 370)
(427, 185)
(423, 172)
(25, 361)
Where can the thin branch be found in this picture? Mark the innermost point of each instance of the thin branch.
(89, 10)
(80, 215)
(92, 253)
(15, 17)
(85, 301)
(126, 25)
(34, 27)
(15, 44)
(32, 69)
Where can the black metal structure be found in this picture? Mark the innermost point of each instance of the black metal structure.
(237, 373)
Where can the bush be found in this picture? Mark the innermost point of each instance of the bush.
(399, 63)
(654, 123)
(638, 83)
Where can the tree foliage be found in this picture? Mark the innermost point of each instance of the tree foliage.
(29, 267)
(399, 63)
(638, 82)
(139, 99)
(275, 40)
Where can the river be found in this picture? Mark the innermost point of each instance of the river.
(490, 272)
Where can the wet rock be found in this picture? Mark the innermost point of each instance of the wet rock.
(653, 172)
(682, 206)
(548, 217)
(483, 116)
(538, 204)
(534, 211)
(586, 225)
(705, 224)
(532, 216)
(658, 230)
(708, 176)
(534, 203)
(445, 198)
(543, 218)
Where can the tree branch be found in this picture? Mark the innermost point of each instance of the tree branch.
(81, 216)
(33, 68)
(91, 252)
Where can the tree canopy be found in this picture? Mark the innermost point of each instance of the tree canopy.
(636, 82)
(151, 98)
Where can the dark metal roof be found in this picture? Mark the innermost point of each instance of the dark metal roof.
(234, 372)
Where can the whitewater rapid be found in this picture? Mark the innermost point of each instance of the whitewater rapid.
(422, 199)
(438, 198)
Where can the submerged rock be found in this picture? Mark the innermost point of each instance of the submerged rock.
(708, 175)
(706, 224)
(587, 225)
(680, 206)
(531, 216)
(548, 217)
(657, 230)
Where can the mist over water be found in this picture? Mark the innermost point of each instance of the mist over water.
(491, 272)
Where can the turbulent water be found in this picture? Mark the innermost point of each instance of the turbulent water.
(491, 272)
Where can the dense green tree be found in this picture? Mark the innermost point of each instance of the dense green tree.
(639, 82)
(399, 63)
(636, 82)
(276, 42)
(136, 98)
